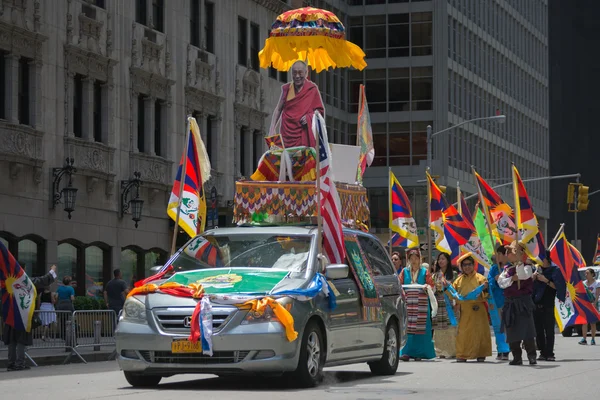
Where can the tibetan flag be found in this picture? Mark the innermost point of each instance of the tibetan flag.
(526, 221)
(274, 142)
(474, 244)
(364, 136)
(206, 251)
(17, 291)
(484, 234)
(401, 218)
(577, 308)
(398, 241)
(192, 204)
(499, 214)
(450, 229)
(597, 252)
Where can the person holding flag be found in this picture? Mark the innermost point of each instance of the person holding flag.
(445, 322)
(548, 283)
(18, 293)
(517, 314)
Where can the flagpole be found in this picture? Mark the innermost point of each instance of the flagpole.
(458, 197)
(517, 214)
(181, 184)
(318, 173)
(429, 255)
(560, 231)
(390, 207)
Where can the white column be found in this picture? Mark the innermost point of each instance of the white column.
(87, 117)
(12, 88)
(237, 138)
(149, 125)
(248, 151)
(35, 94)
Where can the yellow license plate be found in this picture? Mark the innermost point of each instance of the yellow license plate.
(185, 346)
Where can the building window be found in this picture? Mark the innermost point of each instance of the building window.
(97, 3)
(419, 141)
(209, 26)
(78, 106)
(272, 73)
(399, 35)
(421, 34)
(355, 32)
(399, 86)
(158, 128)
(195, 23)
(242, 41)
(30, 255)
(141, 128)
(422, 88)
(254, 45)
(399, 143)
(129, 266)
(24, 91)
(141, 12)
(98, 111)
(158, 15)
(94, 271)
(283, 76)
(375, 36)
(138, 264)
(376, 90)
(68, 261)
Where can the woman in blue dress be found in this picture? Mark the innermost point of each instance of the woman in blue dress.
(419, 343)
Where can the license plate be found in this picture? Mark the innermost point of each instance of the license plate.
(185, 346)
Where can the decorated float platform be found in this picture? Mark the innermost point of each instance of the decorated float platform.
(295, 203)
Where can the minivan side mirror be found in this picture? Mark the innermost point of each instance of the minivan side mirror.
(336, 271)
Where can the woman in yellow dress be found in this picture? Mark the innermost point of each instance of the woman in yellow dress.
(473, 340)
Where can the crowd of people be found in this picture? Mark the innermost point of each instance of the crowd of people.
(516, 298)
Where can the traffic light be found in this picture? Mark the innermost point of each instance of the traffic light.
(571, 194)
(582, 198)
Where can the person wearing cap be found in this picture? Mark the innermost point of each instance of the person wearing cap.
(419, 344)
(473, 340)
(517, 313)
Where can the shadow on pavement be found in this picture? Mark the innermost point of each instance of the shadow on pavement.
(341, 379)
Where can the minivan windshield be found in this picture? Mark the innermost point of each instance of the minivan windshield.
(245, 250)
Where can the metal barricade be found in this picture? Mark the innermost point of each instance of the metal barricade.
(70, 331)
(94, 328)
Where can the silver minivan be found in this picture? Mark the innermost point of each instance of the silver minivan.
(367, 323)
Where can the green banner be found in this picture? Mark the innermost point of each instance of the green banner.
(484, 234)
(231, 280)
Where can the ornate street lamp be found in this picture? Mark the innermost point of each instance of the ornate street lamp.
(136, 204)
(68, 194)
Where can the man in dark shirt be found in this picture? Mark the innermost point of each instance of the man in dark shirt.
(548, 282)
(115, 292)
(517, 314)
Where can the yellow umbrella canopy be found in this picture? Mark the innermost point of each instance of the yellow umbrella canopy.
(312, 35)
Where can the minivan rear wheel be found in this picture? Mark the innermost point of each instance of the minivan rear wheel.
(309, 372)
(388, 365)
(145, 381)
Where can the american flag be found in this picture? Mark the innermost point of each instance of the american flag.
(333, 238)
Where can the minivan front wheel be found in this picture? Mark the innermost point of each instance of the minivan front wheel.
(309, 372)
(142, 381)
(388, 365)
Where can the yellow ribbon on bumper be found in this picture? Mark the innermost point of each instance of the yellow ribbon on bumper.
(259, 306)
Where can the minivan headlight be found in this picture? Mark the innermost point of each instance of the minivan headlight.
(134, 311)
(268, 315)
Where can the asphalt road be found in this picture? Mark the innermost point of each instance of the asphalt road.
(573, 375)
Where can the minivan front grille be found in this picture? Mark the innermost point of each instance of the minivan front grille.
(219, 357)
(177, 320)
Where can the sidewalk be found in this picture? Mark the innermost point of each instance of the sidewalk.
(59, 356)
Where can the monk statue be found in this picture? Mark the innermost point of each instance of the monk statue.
(298, 102)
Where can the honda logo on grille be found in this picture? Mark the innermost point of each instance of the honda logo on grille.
(187, 322)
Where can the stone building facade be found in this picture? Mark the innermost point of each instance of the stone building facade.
(108, 84)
